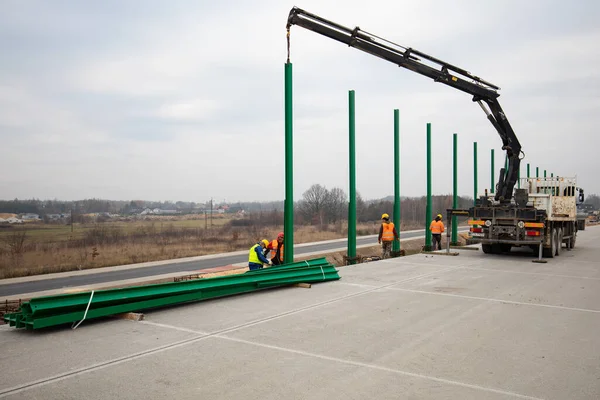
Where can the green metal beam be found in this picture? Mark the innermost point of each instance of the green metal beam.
(47, 311)
(288, 220)
(352, 164)
(396, 243)
(427, 246)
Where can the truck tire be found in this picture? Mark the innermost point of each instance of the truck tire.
(559, 240)
(487, 248)
(550, 252)
(572, 240)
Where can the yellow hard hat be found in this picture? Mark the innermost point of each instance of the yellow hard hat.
(385, 216)
(440, 215)
(265, 242)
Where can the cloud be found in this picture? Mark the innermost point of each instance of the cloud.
(184, 100)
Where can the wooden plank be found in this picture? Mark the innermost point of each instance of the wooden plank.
(303, 285)
(131, 316)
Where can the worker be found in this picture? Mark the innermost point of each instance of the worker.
(437, 228)
(256, 258)
(276, 249)
(387, 234)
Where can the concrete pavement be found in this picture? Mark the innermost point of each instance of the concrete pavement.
(426, 326)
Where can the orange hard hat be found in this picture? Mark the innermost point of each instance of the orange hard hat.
(280, 235)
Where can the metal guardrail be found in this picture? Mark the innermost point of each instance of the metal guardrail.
(42, 312)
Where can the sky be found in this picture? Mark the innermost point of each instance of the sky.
(184, 100)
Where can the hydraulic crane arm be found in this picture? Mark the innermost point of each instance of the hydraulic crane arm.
(484, 93)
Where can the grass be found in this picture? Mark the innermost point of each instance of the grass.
(44, 248)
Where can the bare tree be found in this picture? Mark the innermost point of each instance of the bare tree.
(336, 205)
(313, 203)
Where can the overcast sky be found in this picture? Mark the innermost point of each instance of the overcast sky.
(183, 100)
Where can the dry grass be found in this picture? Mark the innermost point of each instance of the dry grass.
(50, 248)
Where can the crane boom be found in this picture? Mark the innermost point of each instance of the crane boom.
(484, 93)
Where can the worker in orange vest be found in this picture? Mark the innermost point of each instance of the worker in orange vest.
(437, 228)
(387, 234)
(276, 249)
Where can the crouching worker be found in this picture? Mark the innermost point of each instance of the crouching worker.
(276, 250)
(256, 258)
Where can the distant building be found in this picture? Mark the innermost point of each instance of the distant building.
(30, 217)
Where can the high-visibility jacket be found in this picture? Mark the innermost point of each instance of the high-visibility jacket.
(274, 245)
(436, 227)
(388, 232)
(252, 256)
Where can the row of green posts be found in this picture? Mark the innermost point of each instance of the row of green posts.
(73, 308)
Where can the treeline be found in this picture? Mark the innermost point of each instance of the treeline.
(320, 206)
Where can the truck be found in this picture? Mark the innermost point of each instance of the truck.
(542, 214)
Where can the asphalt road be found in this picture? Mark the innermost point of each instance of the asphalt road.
(183, 267)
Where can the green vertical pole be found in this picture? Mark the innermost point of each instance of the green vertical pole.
(428, 208)
(528, 171)
(352, 205)
(455, 187)
(493, 184)
(552, 175)
(544, 173)
(396, 243)
(537, 172)
(474, 173)
(288, 221)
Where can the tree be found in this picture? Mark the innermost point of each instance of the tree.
(313, 203)
(594, 200)
(336, 205)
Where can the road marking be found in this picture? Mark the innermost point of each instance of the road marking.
(473, 297)
(533, 273)
(350, 362)
(159, 349)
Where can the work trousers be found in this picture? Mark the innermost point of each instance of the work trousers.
(254, 266)
(386, 248)
(437, 238)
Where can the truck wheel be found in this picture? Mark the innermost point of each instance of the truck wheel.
(559, 239)
(487, 248)
(572, 240)
(551, 251)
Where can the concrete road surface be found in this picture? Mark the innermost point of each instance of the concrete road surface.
(473, 326)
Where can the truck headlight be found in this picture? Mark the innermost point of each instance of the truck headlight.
(488, 223)
(521, 224)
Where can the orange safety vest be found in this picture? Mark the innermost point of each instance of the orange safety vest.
(388, 232)
(274, 245)
(437, 227)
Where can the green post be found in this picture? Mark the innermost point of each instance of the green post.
(454, 241)
(474, 173)
(493, 184)
(396, 243)
(544, 173)
(552, 175)
(352, 205)
(528, 171)
(537, 172)
(288, 221)
(428, 208)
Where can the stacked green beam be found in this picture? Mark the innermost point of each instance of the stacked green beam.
(47, 311)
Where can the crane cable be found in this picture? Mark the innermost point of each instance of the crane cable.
(288, 44)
